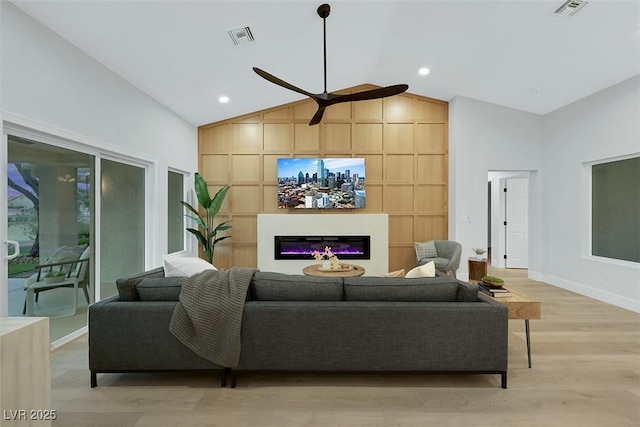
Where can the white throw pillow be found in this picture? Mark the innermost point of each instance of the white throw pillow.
(427, 270)
(181, 266)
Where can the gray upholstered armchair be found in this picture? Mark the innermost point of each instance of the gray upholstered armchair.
(444, 253)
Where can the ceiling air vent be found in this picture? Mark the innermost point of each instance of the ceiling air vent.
(241, 35)
(570, 8)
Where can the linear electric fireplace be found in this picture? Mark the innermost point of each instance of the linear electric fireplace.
(301, 247)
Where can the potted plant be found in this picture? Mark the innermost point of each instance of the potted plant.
(479, 252)
(207, 234)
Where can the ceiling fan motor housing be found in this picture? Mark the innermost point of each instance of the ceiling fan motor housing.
(324, 10)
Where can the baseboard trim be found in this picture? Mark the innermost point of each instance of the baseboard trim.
(600, 295)
(68, 338)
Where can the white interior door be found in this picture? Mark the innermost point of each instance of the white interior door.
(516, 223)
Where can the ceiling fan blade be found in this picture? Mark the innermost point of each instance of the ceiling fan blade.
(275, 80)
(326, 99)
(382, 92)
(317, 117)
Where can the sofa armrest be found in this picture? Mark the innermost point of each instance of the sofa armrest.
(135, 336)
(467, 292)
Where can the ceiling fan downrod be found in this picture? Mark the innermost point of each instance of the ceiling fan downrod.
(323, 12)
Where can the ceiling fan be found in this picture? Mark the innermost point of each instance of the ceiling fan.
(326, 99)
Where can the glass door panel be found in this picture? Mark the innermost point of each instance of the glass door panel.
(50, 213)
(122, 223)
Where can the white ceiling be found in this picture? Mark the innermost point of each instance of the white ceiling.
(179, 52)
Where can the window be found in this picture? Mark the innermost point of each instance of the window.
(175, 214)
(615, 209)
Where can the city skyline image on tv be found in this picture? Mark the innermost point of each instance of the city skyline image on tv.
(321, 183)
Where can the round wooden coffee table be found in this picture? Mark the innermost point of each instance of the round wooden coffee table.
(347, 270)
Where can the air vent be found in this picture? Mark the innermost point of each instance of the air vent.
(241, 35)
(570, 8)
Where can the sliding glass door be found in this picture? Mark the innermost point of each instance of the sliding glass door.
(51, 213)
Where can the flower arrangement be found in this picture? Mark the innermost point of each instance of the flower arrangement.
(328, 256)
(323, 256)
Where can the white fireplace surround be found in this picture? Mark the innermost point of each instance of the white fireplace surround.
(374, 225)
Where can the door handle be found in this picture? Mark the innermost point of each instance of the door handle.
(16, 252)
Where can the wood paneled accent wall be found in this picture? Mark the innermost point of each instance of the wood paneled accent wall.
(403, 139)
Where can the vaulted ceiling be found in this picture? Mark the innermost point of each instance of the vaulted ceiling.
(514, 53)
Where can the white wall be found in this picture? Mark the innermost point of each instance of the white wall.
(556, 149)
(51, 86)
(605, 125)
(486, 137)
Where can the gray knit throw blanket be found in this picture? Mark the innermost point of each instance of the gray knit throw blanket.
(208, 317)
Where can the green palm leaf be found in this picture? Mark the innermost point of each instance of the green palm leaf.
(207, 233)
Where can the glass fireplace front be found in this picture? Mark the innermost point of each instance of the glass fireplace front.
(301, 247)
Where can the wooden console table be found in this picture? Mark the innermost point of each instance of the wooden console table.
(314, 270)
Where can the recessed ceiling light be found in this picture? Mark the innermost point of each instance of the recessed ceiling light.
(537, 91)
(223, 99)
(423, 71)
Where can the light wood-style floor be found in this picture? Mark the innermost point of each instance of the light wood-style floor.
(586, 372)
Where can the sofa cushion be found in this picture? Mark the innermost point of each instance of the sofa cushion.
(66, 254)
(127, 285)
(159, 289)
(423, 289)
(441, 263)
(269, 286)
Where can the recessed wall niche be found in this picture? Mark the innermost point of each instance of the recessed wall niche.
(403, 139)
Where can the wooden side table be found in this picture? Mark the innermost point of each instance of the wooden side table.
(522, 307)
(351, 270)
(477, 268)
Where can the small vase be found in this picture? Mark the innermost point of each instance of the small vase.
(326, 264)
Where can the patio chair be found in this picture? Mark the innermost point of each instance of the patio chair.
(74, 275)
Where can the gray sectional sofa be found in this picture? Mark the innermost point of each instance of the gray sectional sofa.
(306, 323)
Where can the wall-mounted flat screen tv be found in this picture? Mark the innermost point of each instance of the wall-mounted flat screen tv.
(328, 183)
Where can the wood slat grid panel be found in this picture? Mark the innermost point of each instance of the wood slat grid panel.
(404, 142)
